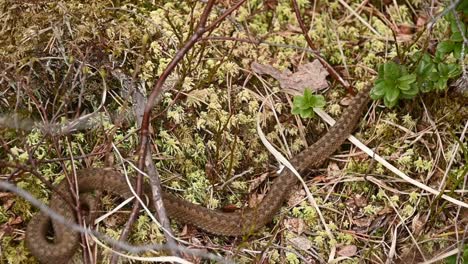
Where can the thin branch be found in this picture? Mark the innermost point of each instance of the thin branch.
(329, 68)
(121, 245)
(157, 90)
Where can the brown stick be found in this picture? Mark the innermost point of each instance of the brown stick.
(329, 68)
(157, 90)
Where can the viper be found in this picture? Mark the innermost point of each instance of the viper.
(65, 241)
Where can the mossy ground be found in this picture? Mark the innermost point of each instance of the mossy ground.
(56, 58)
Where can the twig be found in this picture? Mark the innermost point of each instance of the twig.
(153, 175)
(200, 30)
(115, 243)
(329, 68)
(451, 7)
(287, 164)
(389, 166)
(359, 17)
(138, 108)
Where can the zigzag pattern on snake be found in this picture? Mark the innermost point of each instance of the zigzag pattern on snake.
(244, 221)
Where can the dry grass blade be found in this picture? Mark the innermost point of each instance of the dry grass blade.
(389, 166)
(289, 166)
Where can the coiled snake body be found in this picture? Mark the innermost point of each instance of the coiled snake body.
(237, 223)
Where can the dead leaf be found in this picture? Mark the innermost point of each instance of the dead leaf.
(255, 199)
(351, 205)
(405, 29)
(404, 37)
(297, 195)
(6, 229)
(421, 21)
(15, 221)
(184, 231)
(346, 101)
(311, 75)
(210, 173)
(271, 4)
(333, 170)
(301, 243)
(229, 208)
(7, 205)
(320, 179)
(417, 224)
(360, 200)
(385, 210)
(295, 224)
(6, 195)
(347, 251)
(378, 222)
(257, 181)
(363, 222)
(196, 241)
(294, 29)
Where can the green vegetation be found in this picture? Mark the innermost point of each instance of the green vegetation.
(428, 73)
(304, 105)
(393, 83)
(57, 58)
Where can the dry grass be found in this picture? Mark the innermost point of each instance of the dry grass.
(57, 62)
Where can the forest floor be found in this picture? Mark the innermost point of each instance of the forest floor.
(62, 60)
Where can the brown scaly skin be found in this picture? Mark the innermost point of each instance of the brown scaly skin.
(243, 222)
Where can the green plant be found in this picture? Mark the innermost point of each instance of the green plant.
(426, 73)
(463, 6)
(304, 105)
(394, 82)
(455, 42)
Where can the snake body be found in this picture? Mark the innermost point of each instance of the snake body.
(241, 222)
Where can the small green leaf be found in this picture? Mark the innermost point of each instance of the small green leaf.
(319, 101)
(463, 6)
(406, 80)
(445, 47)
(438, 57)
(375, 96)
(434, 76)
(296, 110)
(307, 93)
(409, 78)
(457, 51)
(310, 101)
(379, 90)
(307, 113)
(411, 92)
(404, 86)
(455, 27)
(391, 71)
(441, 84)
(443, 69)
(298, 101)
(453, 70)
(426, 86)
(391, 94)
(381, 72)
(303, 105)
(388, 103)
(456, 37)
(425, 68)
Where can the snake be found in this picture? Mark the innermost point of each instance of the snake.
(64, 242)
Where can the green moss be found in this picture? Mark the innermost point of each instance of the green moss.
(306, 212)
(15, 252)
(210, 128)
(292, 258)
